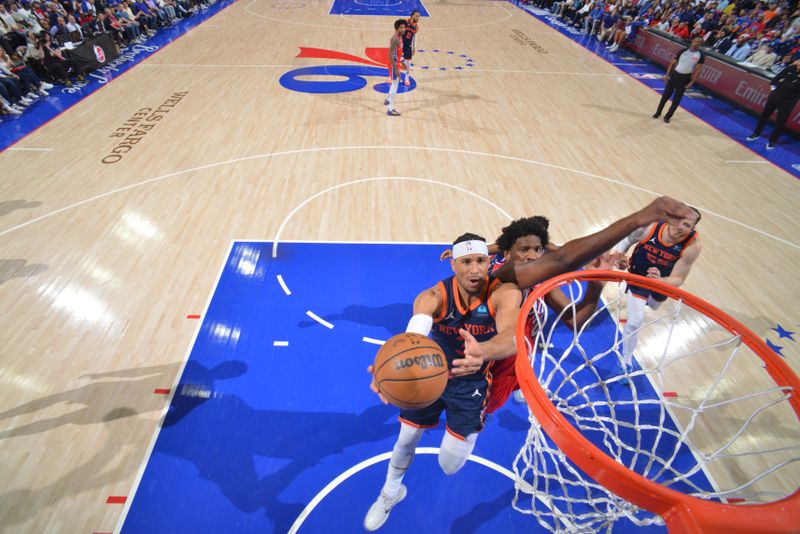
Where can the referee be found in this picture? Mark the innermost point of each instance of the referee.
(785, 94)
(681, 74)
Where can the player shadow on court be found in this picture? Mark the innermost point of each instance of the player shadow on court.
(392, 317)
(481, 513)
(18, 269)
(136, 381)
(103, 469)
(7, 206)
(226, 439)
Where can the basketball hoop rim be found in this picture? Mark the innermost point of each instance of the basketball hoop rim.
(682, 513)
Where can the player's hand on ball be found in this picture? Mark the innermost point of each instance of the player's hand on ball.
(473, 356)
(374, 387)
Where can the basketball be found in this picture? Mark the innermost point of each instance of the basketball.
(410, 370)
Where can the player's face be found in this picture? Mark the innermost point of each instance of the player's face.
(680, 228)
(471, 271)
(415, 18)
(526, 248)
(401, 29)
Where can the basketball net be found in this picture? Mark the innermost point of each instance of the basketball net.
(701, 433)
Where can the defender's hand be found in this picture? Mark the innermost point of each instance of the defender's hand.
(663, 209)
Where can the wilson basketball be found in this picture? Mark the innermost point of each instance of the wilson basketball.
(411, 370)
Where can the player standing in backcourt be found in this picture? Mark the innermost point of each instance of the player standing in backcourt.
(666, 252)
(395, 64)
(410, 42)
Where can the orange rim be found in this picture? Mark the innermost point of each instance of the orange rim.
(681, 513)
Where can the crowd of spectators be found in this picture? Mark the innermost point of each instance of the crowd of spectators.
(763, 34)
(35, 37)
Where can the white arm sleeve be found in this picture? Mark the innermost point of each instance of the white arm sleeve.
(630, 240)
(420, 324)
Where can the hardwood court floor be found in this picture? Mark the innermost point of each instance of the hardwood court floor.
(104, 261)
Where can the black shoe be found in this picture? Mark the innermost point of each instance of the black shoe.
(666, 119)
(770, 146)
(753, 137)
(656, 115)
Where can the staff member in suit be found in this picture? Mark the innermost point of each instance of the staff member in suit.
(681, 74)
(784, 96)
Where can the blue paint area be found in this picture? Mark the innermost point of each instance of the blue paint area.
(15, 127)
(346, 78)
(254, 431)
(726, 118)
(400, 8)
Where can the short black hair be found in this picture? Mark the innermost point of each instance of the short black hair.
(415, 11)
(697, 211)
(398, 23)
(468, 237)
(536, 225)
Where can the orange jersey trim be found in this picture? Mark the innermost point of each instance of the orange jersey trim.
(646, 238)
(415, 425)
(687, 243)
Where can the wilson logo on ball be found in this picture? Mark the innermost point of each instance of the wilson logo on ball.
(424, 361)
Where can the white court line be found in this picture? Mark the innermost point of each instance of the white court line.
(319, 319)
(297, 208)
(373, 341)
(616, 74)
(509, 14)
(394, 148)
(283, 285)
(219, 65)
(32, 149)
(168, 403)
(280, 343)
(385, 456)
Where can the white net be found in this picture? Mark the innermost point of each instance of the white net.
(697, 412)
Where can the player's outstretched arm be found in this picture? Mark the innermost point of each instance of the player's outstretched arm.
(557, 300)
(428, 303)
(506, 300)
(578, 252)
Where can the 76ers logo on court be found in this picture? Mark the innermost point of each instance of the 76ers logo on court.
(355, 76)
(99, 54)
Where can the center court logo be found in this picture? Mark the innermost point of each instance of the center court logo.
(341, 78)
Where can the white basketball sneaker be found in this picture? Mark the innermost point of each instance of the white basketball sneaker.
(379, 511)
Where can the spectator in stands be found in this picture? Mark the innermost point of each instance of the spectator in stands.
(757, 26)
(608, 26)
(11, 88)
(628, 33)
(783, 98)
(32, 87)
(682, 31)
(130, 27)
(764, 57)
(24, 17)
(52, 60)
(74, 29)
(12, 35)
(778, 66)
(593, 22)
(740, 50)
